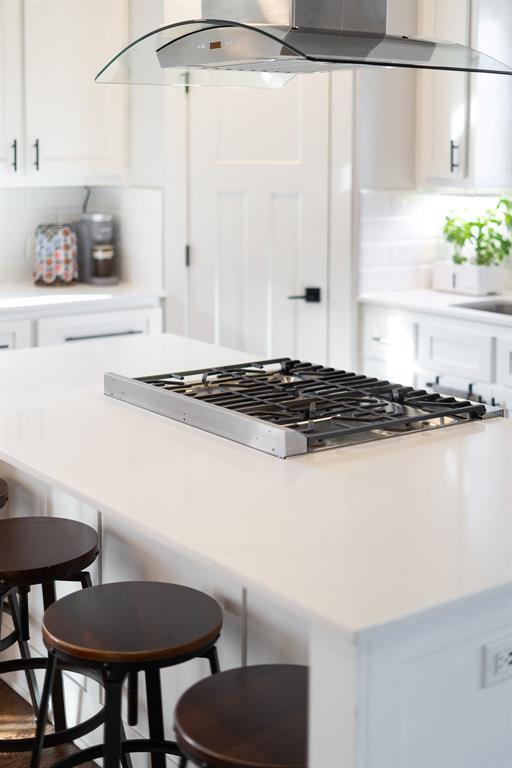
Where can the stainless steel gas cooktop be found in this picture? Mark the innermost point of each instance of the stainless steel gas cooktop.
(287, 407)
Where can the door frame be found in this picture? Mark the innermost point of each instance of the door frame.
(342, 210)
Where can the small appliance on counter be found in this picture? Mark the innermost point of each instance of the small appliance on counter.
(55, 257)
(96, 249)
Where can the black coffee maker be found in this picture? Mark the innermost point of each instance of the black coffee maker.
(97, 259)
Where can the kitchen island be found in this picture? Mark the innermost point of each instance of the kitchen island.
(387, 566)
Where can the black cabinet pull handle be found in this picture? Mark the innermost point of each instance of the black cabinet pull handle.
(14, 147)
(36, 160)
(101, 335)
(453, 147)
(313, 295)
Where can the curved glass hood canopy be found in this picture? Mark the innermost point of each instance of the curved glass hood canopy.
(264, 43)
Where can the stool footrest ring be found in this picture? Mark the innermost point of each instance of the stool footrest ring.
(152, 746)
(59, 737)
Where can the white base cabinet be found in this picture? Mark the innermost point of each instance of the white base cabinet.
(98, 325)
(80, 326)
(451, 355)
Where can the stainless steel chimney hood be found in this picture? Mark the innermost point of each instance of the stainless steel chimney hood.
(266, 42)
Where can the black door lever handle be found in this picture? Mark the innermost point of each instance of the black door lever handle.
(310, 295)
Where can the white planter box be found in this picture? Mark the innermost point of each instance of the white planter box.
(467, 278)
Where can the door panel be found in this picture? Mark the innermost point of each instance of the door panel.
(258, 217)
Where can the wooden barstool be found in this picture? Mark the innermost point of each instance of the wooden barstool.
(33, 551)
(120, 630)
(254, 717)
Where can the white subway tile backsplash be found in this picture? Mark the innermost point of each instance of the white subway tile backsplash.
(395, 279)
(401, 236)
(375, 203)
(382, 229)
(375, 254)
(414, 252)
(138, 213)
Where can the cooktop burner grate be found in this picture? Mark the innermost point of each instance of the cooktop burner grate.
(288, 407)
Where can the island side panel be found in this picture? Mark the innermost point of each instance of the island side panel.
(422, 698)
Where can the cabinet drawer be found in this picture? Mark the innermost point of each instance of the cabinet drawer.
(446, 348)
(70, 328)
(504, 360)
(389, 338)
(386, 332)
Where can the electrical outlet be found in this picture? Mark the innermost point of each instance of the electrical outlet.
(497, 661)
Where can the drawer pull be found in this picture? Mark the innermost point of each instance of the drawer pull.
(381, 340)
(101, 335)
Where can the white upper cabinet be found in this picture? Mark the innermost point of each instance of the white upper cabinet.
(464, 121)
(443, 99)
(74, 129)
(11, 89)
(491, 97)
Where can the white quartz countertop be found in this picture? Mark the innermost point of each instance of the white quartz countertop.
(27, 300)
(358, 536)
(439, 303)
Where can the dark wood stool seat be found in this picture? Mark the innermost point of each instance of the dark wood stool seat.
(35, 550)
(254, 717)
(130, 622)
(4, 493)
(123, 629)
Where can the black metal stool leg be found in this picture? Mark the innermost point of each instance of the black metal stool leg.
(59, 709)
(213, 658)
(155, 714)
(126, 760)
(43, 710)
(24, 651)
(113, 683)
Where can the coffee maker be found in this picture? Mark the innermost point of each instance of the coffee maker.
(97, 259)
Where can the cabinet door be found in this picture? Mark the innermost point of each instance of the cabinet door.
(491, 97)
(15, 334)
(504, 360)
(11, 90)
(443, 99)
(452, 348)
(75, 128)
(100, 325)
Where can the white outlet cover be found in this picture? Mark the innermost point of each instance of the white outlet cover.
(497, 661)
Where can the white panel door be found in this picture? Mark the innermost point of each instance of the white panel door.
(11, 90)
(75, 128)
(259, 217)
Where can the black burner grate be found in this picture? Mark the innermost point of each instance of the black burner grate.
(322, 403)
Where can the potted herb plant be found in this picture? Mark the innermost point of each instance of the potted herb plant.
(481, 245)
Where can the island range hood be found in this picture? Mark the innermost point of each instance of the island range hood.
(266, 42)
